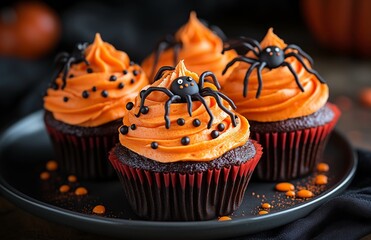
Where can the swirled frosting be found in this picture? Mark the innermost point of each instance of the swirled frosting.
(149, 129)
(96, 93)
(281, 97)
(200, 49)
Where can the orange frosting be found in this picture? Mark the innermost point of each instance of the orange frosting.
(201, 50)
(280, 98)
(104, 61)
(150, 127)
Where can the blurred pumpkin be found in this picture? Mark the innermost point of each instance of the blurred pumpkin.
(28, 30)
(340, 25)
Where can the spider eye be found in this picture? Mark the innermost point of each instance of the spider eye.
(189, 79)
(277, 49)
(269, 50)
(180, 81)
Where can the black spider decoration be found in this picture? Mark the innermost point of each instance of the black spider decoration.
(185, 89)
(270, 57)
(64, 61)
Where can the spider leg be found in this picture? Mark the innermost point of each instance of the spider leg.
(177, 48)
(246, 78)
(202, 100)
(86, 62)
(240, 59)
(66, 69)
(300, 59)
(301, 52)
(220, 104)
(61, 56)
(161, 46)
(189, 104)
(252, 42)
(149, 90)
(295, 75)
(207, 74)
(167, 109)
(161, 71)
(261, 66)
(234, 45)
(231, 103)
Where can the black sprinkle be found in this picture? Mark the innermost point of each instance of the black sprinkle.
(132, 80)
(221, 127)
(215, 134)
(133, 127)
(180, 121)
(71, 76)
(132, 63)
(89, 70)
(185, 140)
(112, 78)
(85, 94)
(154, 145)
(65, 99)
(136, 72)
(125, 72)
(144, 110)
(196, 122)
(94, 88)
(104, 93)
(129, 105)
(121, 85)
(124, 130)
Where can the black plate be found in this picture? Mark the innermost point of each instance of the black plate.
(25, 148)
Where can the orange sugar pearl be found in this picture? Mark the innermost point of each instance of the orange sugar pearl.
(305, 193)
(64, 188)
(99, 209)
(72, 178)
(81, 191)
(284, 187)
(266, 206)
(321, 179)
(224, 218)
(323, 167)
(52, 165)
(44, 176)
(262, 212)
(290, 193)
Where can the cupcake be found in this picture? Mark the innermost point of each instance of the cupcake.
(198, 45)
(286, 102)
(84, 106)
(184, 154)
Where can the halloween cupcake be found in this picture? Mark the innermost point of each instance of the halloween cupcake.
(286, 102)
(197, 44)
(84, 106)
(184, 154)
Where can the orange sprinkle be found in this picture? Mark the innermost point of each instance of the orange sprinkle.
(323, 167)
(72, 178)
(52, 165)
(224, 218)
(262, 212)
(290, 193)
(266, 206)
(81, 191)
(321, 179)
(99, 209)
(64, 188)
(44, 176)
(305, 193)
(284, 186)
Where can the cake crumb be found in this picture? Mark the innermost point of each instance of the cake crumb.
(64, 188)
(263, 212)
(99, 209)
(304, 193)
(44, 176)
(323, 167)
(224, 218)
(321, 179)
(72, 178)
(284, 186)
(290, 194)
(81, 191)
(266, 206)
(52, 165)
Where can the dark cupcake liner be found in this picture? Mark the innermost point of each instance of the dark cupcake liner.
(185, 196)
(84, 156)
(290, 155)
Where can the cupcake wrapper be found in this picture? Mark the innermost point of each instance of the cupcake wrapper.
(189, 196)
(290, 155)
(86, 157)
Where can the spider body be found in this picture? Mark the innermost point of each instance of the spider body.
(185, 89)
(64, 61)
(269, 57)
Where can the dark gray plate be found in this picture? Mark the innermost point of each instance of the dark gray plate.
(25, 148)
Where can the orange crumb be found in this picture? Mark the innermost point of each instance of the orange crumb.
(266, 206)
(321, 179)
(284, 186)
(262, 212)
(52, 165)
(64, 188)
(44, 176)
(305, 193)
(323, 167)
(290, 193)
(224, 218)
(72, 178)
(81, 191)
(99, 209)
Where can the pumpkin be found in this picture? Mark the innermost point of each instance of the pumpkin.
(28, 30)
(340, 25)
